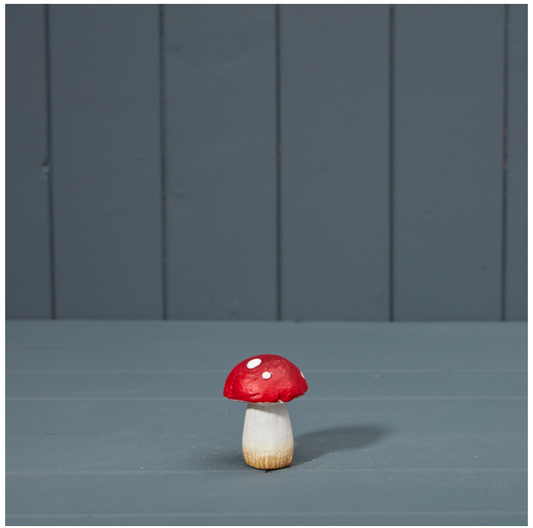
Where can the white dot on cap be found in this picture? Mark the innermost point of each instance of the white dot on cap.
(253, 363)
(302, 374)
(267, 375)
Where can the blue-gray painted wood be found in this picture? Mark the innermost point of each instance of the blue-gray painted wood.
(106, 161)
(282, 519)
(448, 163)
(70, 345)
(334, 385)
(219, 118)
(298, 494)
(334, 162)
(441, 435)
(28, 281)
(25, 448)
(516, 249)
(220, 99)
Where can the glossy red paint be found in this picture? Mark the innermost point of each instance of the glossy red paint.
(248, 384)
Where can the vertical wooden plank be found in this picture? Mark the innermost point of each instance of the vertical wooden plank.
(221, 161)
(516, 250)
(106, 160)
(334, 165)
(448, 163)
(28, 284)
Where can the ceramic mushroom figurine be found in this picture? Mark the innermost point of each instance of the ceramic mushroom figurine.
(267, 383)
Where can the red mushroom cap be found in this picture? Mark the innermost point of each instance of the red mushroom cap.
(265, 378)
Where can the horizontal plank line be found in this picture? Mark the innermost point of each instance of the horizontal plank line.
(308, 371)
(240, 470)
(307, 398)
(252, 514)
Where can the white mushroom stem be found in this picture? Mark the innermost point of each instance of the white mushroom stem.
(267, 441)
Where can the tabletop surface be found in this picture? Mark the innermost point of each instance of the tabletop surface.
(124, 423)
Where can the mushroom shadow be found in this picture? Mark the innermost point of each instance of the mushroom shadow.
(311, 446)
(307, 447)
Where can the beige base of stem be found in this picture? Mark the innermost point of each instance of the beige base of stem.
(267, 441)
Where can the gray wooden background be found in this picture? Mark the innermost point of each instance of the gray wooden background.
(295, 162)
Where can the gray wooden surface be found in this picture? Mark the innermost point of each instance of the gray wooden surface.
(106, 161)
(448, 89)
(516, 225)
(389, 198)
(113, 423)
(220, 97)
(334, 162)
(28, 281)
